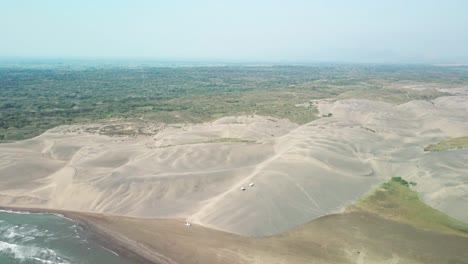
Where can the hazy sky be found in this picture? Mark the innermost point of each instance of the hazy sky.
(287, 30)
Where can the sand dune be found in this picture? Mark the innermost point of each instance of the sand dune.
(196, 171)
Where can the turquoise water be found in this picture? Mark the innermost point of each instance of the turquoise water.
(29, 238)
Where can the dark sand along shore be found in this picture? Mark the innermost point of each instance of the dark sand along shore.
(340, 238)
(125, 248)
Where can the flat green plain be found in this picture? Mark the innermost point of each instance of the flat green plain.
(33, 99)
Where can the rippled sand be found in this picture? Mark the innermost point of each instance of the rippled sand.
(196, 172)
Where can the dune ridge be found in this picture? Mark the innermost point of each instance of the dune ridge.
(300, 172)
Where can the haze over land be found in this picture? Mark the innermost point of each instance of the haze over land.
(299, 31)
(234, 132)
(304, 141)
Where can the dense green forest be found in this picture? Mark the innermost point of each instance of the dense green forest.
(34, 99)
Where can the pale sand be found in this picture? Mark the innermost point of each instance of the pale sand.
(300, 172)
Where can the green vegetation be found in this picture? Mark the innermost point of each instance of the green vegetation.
(34, 98)
(454, 143)
(217, 140)
(396, 201)
(397, 96)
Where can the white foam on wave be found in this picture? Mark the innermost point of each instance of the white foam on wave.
(23, 253)
(15, 212)
(110, 251)
(11, 233)
(62, 216)
(44, 261)
(35, 213)
(23, 233)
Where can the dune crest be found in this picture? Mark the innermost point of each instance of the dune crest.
(196, 172)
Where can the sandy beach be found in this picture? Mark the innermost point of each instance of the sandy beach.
(234, 132)
(107, 238)
(329, 239)
(250, 186)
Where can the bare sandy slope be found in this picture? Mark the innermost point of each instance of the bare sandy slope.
(300, 172)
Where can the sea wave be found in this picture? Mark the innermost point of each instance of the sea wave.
(22, 253)
(14, 212)
(21, 233)
(35, 213)
(46, 239)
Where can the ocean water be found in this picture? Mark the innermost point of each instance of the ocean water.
(29, 238)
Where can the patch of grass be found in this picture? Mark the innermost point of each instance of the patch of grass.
(396, 201)
(216, 140)
(400, 181)
(454, 143)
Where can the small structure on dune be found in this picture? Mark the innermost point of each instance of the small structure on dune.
(188, 224)
(242, 188)
(251, 184)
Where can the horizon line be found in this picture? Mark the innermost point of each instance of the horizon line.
(129, 59)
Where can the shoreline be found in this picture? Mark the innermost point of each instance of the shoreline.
(160, 241)
(130, 250)
(325, 240)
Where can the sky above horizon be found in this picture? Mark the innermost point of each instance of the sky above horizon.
(396, 31)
